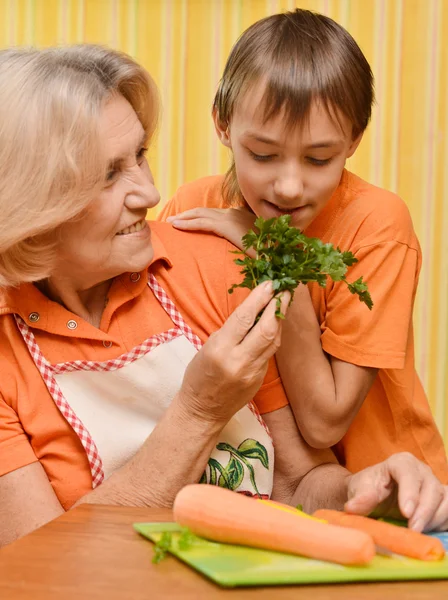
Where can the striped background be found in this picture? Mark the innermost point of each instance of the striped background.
(184, 43)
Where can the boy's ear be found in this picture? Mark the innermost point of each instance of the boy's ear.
(354, 145)
(222, 129)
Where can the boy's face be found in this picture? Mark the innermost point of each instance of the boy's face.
(282, 170)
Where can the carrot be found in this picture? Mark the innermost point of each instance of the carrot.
(290, 509)
(225, 516)
(395, 539)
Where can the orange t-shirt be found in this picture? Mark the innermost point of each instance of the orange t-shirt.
(376, 226)
(194, 270)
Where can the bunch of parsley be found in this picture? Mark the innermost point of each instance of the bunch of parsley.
(287, 257)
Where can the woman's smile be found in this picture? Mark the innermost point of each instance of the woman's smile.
(135, 228)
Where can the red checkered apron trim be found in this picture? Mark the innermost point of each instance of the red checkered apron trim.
(122, 360)
(172, 312)
(48, 371)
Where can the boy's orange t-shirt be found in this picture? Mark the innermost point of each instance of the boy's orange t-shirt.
(376, 226)
(194, 270)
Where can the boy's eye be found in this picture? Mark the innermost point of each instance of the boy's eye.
(261, 157)
(318, 162)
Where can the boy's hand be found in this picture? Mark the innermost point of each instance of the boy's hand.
(401, 486)
(229, 223)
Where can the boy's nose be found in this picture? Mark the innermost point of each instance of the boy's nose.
(289, 186)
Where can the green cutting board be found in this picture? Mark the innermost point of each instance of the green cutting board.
(232, 566)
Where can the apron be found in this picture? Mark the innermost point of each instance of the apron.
(114, 405)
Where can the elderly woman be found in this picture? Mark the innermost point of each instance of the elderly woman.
(109, 393)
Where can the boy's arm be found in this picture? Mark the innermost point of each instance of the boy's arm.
(325, 393)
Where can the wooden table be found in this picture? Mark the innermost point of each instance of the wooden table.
(92, 552)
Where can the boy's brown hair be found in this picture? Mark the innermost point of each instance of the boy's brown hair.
(301, 56)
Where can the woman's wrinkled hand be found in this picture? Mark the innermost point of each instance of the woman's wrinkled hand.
(400, 486)
(228, 223)
(229, 369)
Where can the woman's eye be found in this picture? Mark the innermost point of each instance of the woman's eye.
(141, 153)
(111, 175)
(318, 162)
(261, 157)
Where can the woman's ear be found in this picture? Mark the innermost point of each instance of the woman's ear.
(354, 145)
(222, 129)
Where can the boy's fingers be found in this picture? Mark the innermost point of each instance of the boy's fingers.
(195, 213)
(193, 224)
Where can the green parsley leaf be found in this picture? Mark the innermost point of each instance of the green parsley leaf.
(287, 257)
(162, 547)
(185, 540)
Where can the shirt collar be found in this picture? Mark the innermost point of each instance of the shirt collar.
(26, 300)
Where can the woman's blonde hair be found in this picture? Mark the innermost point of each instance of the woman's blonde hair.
(300, 57)
(51, 158)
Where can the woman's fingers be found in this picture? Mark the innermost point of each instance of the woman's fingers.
(368, 489)
(421, 498)
(439, 521)
(263, 340)
(430, 498)
(243, 317)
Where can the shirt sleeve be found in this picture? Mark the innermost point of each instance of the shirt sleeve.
(376, 338)
(15, 449)
(271, 396)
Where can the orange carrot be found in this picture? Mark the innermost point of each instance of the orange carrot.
(224, 516)
(391, 537)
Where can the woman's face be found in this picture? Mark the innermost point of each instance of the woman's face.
(112, 237)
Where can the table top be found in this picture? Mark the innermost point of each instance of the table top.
(92, 552)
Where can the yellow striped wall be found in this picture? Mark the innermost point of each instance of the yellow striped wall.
(184, 43)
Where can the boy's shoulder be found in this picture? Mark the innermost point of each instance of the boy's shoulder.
(201, 265)
(206, 191)
(199, 250)
(373, 214)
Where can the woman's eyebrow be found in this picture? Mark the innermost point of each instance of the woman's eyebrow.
(117, 160)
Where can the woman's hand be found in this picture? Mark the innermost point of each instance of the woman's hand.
(228, 371)
(229, 223)
(401, 486)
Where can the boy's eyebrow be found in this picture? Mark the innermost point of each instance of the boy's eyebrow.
(326, 144)
(114, 162)
(330, 143)
(260, 138)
